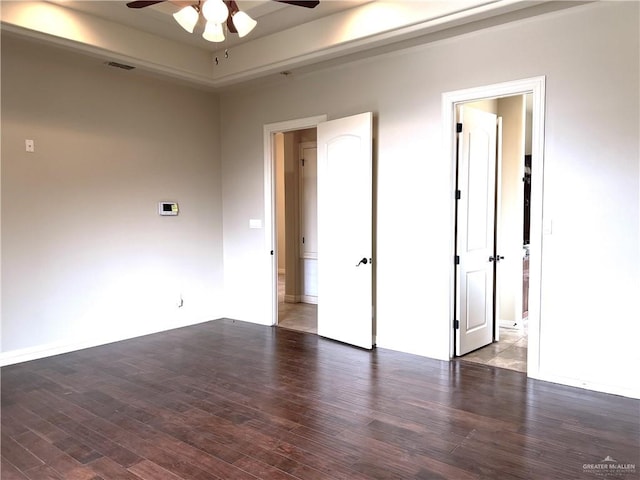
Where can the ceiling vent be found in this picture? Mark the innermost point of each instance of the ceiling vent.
(120, 65)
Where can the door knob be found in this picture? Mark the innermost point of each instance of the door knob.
(491, 259)
(364, 260)
(499, 257)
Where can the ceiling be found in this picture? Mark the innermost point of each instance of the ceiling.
(286, 37)
(158, 19)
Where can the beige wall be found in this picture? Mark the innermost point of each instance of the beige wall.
(490, 105)
(511, 216)
(292, 215)
(591, 146)
(287, 158)
(528, 121)
(85, 256)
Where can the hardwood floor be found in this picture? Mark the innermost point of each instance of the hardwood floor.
(231, 400)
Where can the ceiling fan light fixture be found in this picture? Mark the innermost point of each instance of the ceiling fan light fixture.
(243, 23)
(213, 32)
(215, 11)
(187, 18)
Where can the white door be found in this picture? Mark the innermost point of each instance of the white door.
(476, 229)
(345, 182)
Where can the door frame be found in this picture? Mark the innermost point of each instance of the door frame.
(535, 86)
(270, 218)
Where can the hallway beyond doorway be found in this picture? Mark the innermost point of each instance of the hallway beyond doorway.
(302, 317)
(509, 352)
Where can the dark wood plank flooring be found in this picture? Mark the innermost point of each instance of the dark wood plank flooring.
(231, 400)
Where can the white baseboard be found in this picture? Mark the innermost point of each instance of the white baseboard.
(309, 299)
(12, 357)
(510, 324)
(631, 391)
(301, 298)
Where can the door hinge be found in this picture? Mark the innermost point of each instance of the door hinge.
(458, 194)
(302, 160)
(271, 252)
(303, 240)
(456, 324)
(458, 128)
(456, 259)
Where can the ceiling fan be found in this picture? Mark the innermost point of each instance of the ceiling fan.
(216, 14)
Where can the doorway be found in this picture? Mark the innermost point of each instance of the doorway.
(482, 292)
(295, 156)
(272, 224)
(492, 243)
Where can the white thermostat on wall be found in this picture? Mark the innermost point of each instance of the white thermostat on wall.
(168, 208)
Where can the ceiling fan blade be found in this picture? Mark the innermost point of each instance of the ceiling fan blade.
(143, 3)
(301, 3)
(233, 8)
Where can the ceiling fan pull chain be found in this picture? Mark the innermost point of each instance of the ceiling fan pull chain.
(226, 55)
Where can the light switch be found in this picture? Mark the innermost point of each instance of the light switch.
(168, 208)
(29, 146)
(255, 223)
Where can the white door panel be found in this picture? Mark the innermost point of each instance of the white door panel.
(345, 230)
(479, 233)
(476, 226)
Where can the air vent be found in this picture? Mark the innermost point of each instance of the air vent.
(120, 65)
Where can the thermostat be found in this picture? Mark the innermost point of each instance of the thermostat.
(168, 208)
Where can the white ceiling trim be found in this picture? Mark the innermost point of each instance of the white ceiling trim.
(346, 32)
(364, 27)
(114, 41)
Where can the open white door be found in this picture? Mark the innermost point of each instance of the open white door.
(476, 229)
(345, 208)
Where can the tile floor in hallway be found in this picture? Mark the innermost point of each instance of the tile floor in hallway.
(302, 317)
(510, 352)
(298, 316)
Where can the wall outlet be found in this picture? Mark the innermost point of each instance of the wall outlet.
(29, 146)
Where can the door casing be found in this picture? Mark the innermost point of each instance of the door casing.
(535, 86)
(270, 227)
